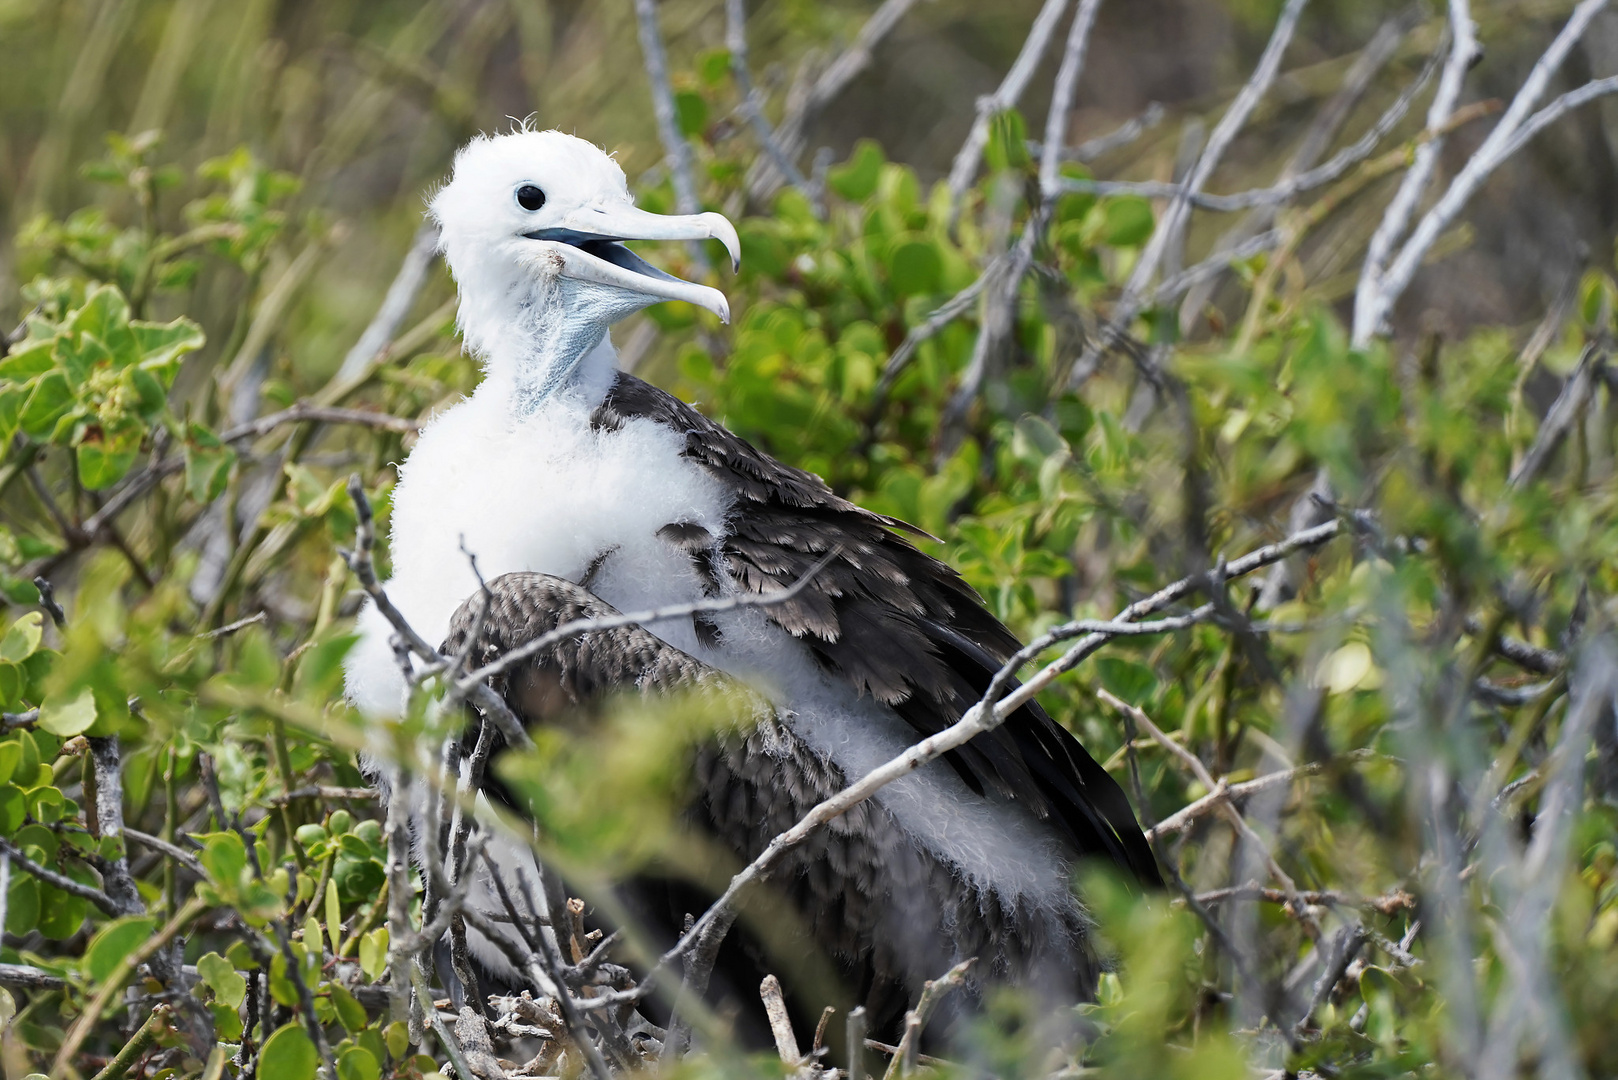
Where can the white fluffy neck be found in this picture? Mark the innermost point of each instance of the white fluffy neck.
(538, 335)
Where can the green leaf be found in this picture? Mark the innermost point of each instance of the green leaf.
(398, 1037)
(60, 914)
(45, 805)
(915, 268)
(1128, 680)
(207, 464)
(22, 904)
(113, 942)
(334, 915)
(105, 316)
(52, 397)
(103, 461)
(1129, 221)
(162, 344)
(356, 1063)
(289, 1054)
(70, 717)
(11, 752)
(12, 678)
(349, 1010)
(23, 638)
(25, 363)
(1008, 142)
(856, 178)
(692, 113)
(228, 985)
(13, 808)
(281, 987)
(374, 953)
(225, 859)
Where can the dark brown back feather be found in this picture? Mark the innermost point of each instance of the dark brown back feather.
(897, 623)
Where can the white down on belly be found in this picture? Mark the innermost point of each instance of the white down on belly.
(546, 493)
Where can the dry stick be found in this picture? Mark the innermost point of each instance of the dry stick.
(676, 148)
(965, 167)
(775, 1009)
(107, 769)
(996, 327)
(1121, 136)
(1174, 220)
(942, 316)
(1067, 82)
(1464, 48)
(1288, 187)
(61, 881)
(139, 485)
(1228, 809)
(1319, 135)
(752, 107)
(1182, 819)
(763, 178)
(1564, 412)
(856, 1043)
(1539, 874)
(47, 600)
(1387, 904)
(1513, 131)
(707, 932)
(424, 1002)
(932, 992)
(396, 833)
(114, 982)
(401, 296)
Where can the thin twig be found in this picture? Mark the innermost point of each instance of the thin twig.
(61, 881)
(763, 178)
(47, 600)
(1067, 81)
(1166, 235)
(401, 296)
(752, 107)
(965, 167)
(932, 992)
(1564, 412)
(676, 148)
(1369, 308)
(1497, 148)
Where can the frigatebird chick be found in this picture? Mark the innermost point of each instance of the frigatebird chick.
(560, 469)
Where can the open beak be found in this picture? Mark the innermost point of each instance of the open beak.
(589, 244)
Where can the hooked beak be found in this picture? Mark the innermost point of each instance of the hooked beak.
(588, 244)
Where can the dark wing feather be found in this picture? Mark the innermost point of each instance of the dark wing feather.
(897, 623)
(873, 899)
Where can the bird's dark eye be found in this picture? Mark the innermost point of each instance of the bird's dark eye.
(530, 197)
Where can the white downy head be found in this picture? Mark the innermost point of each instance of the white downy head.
(532, 224)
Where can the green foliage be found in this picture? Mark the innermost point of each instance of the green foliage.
(1054, 502)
